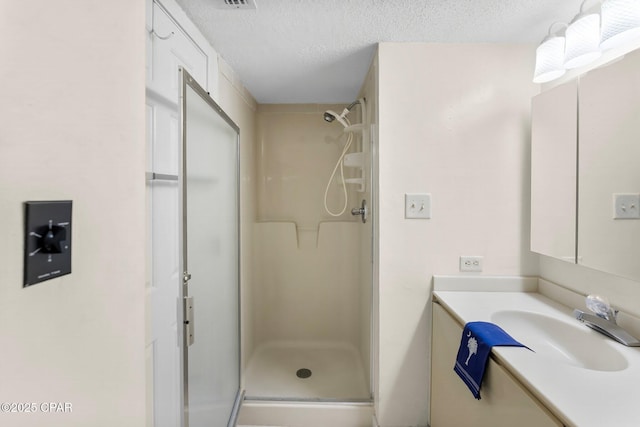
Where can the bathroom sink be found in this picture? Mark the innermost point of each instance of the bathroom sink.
(560, 341)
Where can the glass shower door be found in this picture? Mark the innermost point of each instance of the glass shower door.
(209, 260)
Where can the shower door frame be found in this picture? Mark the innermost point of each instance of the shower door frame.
(187, 80)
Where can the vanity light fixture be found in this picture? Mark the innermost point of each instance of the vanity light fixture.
(550, 56)
(583, 38)
(620, 22)
(606, 25)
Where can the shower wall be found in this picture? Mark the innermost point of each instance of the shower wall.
(308, 281)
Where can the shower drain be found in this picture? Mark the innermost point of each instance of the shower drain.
(303, 373)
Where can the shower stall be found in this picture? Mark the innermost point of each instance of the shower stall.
(309, 337)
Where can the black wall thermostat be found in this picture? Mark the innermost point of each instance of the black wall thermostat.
(47, 241)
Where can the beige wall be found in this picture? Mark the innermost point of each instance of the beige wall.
(297, 153)
(72, 113)
(453, 122)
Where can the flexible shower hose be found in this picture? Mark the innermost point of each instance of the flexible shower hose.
(340, 164)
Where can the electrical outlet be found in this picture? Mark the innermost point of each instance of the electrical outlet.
(471, 263)
(417, 206)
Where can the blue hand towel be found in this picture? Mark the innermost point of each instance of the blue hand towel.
(475, 347)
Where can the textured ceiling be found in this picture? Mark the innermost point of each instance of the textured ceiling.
(318, 51)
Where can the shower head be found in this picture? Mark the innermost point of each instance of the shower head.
(330, 116)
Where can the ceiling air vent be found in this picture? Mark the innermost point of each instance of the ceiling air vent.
(240, 4)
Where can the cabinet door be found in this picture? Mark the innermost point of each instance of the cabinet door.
(504, 403)
(609, 152)
(554, 116)
(168, 49)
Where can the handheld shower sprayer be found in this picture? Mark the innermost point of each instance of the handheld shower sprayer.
(330, 116)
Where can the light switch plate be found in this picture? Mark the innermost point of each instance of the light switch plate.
(417, 206)
(626, 206)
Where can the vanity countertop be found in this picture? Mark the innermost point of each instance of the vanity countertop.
(599, 392)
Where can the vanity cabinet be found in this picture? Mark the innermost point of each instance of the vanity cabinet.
(554, 145)
(505, 402)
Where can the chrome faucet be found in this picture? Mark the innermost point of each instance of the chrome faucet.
(604, 320)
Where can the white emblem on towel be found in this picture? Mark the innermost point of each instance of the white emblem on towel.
(472, 345)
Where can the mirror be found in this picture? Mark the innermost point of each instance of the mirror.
(609, 159)
(585, 151)
(554, 115)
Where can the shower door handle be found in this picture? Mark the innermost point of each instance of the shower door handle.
(189, 327)
(362, 211)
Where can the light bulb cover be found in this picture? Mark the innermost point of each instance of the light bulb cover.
(549, 59)
(582, 40)
(620, 22)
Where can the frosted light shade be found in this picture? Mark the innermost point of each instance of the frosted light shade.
(549, 60)
(620, 22)
(583, 41)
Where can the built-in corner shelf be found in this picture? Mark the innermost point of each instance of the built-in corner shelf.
(356, 160)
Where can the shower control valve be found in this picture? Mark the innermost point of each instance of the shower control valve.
(362, 211)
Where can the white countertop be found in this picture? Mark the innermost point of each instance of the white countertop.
(578, 396)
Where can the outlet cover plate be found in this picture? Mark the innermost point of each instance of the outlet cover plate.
(471, 263)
